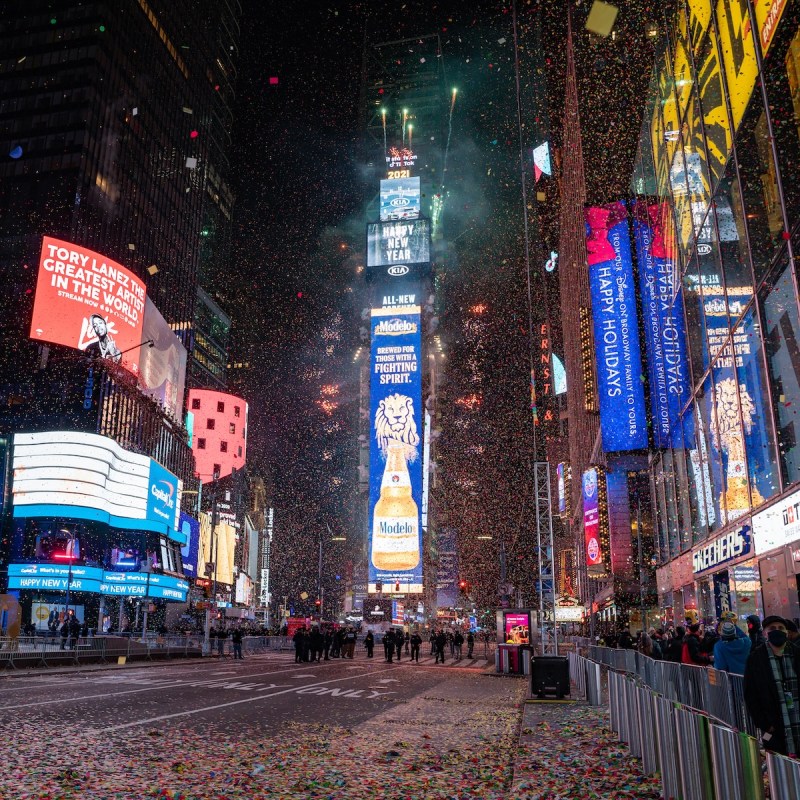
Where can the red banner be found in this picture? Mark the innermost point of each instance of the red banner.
(87, 301)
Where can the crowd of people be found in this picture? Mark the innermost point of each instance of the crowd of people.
(317, 643)
(767, 655)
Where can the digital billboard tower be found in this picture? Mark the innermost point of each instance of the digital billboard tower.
(406, 104)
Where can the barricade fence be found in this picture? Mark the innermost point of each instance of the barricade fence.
(689, 725)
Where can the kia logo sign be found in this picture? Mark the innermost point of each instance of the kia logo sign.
(703, 249)
(400, 201)
(398, 270)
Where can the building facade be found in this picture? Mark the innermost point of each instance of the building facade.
(718, 156)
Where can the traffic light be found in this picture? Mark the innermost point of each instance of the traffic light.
(318, 603)
(463, 586)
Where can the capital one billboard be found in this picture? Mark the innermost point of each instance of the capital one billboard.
(591, 519)
(87, 301)
(86, 476)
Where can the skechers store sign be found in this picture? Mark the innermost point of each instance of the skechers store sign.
(86, 476)
(623, 421)
(729, 546)
(55, 577)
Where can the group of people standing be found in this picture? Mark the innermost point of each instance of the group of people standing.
(221, 634)
(318, 644)
(315, 644)
(767, 655)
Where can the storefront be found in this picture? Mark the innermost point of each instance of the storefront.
(96, 529)
(726, 577)
(776, 533)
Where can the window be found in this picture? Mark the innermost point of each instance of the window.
(223, 447)
(210, 424)
(232, 427)
(216, 470)
(236, 411)
(221, 407)
(201, 444)
(240, 452)
(782, 344)
(195, 403)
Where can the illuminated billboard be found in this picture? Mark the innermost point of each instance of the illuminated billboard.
(665, 329)
(395, 478)
(390, 243)
(87, 301)
(79, 578)
(162, 367)
(86, 476)
(623, 420)
(591, 518)
(400, 199)
(190, 528)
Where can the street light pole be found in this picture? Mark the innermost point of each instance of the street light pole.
(319, 577)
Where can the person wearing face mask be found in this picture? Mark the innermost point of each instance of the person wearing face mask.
(772, 689)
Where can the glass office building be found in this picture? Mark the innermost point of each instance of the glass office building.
(718, 160)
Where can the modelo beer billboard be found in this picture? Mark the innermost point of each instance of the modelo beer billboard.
(87, 301)
(395, 483)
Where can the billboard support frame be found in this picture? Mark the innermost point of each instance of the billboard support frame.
(544, 541)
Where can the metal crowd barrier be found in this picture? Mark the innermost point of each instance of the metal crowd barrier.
(690, 726)
(586, 676)
(48, 651)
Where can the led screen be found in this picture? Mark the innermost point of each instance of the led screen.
(87, 301)
(395, 480)
(400, 199)
(162, 368)
(591, 519)
(86, 476)
(405, 242)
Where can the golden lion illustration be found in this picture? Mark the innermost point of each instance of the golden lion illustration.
(394, 422)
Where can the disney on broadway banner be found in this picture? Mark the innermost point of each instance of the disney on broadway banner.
(623, 421)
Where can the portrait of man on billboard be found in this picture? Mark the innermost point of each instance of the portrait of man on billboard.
(105, 346)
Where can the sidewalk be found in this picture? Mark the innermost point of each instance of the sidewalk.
(566, 750)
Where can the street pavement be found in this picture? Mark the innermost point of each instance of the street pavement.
(266, 727)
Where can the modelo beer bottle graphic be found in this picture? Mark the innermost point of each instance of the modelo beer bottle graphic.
(395, 519)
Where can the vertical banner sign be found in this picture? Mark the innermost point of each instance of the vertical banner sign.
(623, 421)
(665, 329)
(395, 482)
(562, 494)
(591, 519)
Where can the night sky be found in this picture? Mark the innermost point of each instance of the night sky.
(293, 289)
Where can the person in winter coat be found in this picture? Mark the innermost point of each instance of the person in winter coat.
(732, 649)
(470, 644)
(399, 639)
(441, 641)
(388, 645)
(754, 631)
(369, 643)
(458, 641)
(771, 693)
(692, 648)
(674, 646)
(415, 641)
(326, 643)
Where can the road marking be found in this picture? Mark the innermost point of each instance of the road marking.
(304, 675)
(80, 699)
(389, 680)
(217, 706)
